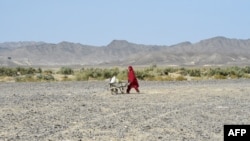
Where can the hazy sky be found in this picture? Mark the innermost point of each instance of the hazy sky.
(98, 22)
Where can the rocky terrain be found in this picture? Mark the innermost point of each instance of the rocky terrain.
(190, 110)
(207, 52)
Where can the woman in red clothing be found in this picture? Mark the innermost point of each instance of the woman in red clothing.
(132, 80)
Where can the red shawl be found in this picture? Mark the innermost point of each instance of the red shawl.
(132, 78)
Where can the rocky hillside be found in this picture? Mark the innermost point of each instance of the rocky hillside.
(213, 51)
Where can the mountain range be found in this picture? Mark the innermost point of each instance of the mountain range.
(208, 52)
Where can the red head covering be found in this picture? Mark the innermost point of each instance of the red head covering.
(132, 78)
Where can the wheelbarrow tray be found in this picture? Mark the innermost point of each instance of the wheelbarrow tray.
(118, 87)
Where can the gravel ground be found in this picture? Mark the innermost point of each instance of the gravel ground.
(188, 110)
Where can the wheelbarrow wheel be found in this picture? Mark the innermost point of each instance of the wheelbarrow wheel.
(114, 91)
(122, 90)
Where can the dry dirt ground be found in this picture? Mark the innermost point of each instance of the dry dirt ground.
(174, 111)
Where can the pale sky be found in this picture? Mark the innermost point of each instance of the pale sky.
(98, 22)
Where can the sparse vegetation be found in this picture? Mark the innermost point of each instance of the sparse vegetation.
(66, 70)
(151, 73)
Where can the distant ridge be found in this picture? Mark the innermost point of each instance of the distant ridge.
(208, 52)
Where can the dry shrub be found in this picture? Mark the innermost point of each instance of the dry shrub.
(164, 78)
(219, 76)
(82, 77)
(180, 78)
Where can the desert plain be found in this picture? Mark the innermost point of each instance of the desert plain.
(86, 110)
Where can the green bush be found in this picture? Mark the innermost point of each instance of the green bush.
(66, 71)
(39, 70)
(123, 75)
(183, 71)
(95, 73)
(246, 69)
(46, 77)
(194, 72)
(170, 70)
(165, 72)
(108, 73)
(30, 71)
(217, 71)
(22, 74)
(142, 75)
(24, 71)
(7, 71)
(39, 76)
(48, 72)
(49, 77)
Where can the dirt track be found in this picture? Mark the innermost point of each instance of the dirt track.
(190, 110)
